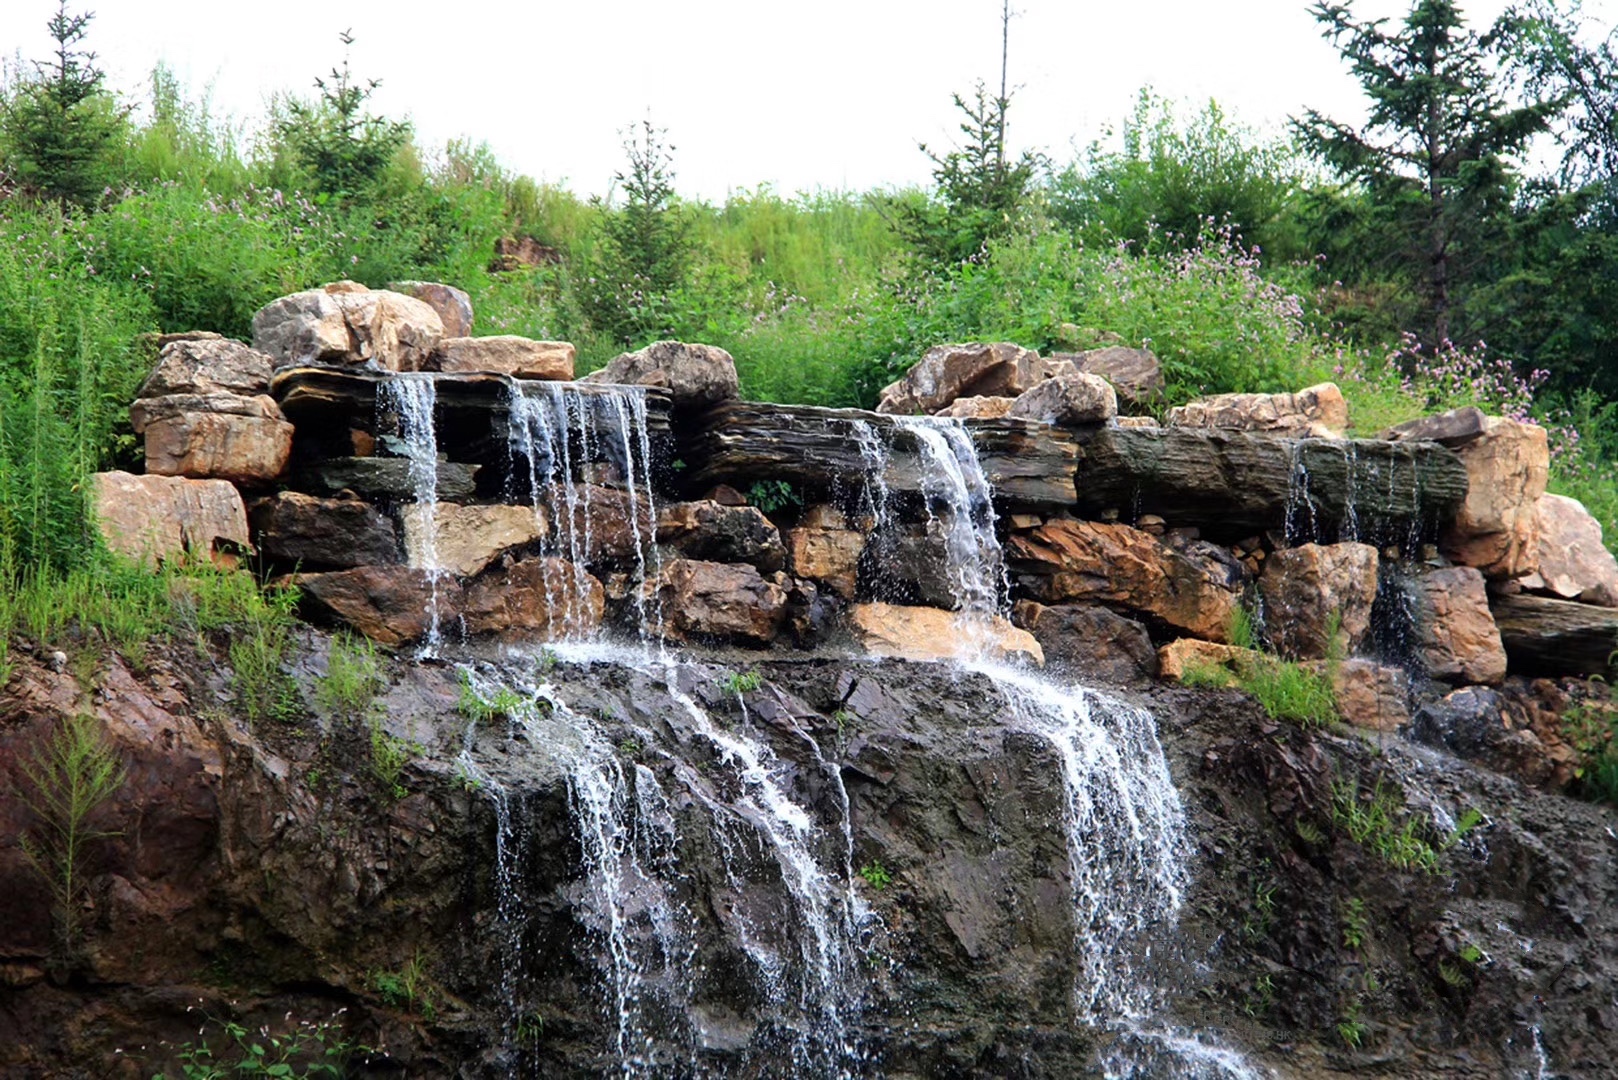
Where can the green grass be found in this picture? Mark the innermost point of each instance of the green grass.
(353, 678)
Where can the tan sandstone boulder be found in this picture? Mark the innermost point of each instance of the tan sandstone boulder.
(978, 369)
(1135, 374)
(823, 549)
(929, 633)
(453, 305)
(1068, 400)
(720, 601)
(1306, 589)
(154, 519)
(1496, 529)
(226, 446)
(346, 323)
(1574, 564)
(466, 539)
(1314, 412)
(695, 376)
(507, 354)
(208, 365)
(978, 408)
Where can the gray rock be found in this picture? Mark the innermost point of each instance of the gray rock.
(1068, 400)
(208, 365)
(696, 376)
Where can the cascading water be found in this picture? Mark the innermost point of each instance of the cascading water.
(413, 398)
(1124, 821)
(554, 430)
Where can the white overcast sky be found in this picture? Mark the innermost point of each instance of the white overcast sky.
(826, 94)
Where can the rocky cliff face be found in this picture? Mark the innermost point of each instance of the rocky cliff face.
(260, 874)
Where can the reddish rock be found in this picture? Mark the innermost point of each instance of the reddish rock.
(929, 633)
(540, 599)
(1191, 654)
(454, 306)
(720, 601)
(154, 519)
(1125, 568)
(603, 525)
(1371, 695)
(1307, 588)
(829, 556)
(392, 605)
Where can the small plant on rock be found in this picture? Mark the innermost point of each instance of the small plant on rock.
(743, 682)
(876, 876)
(353, 678)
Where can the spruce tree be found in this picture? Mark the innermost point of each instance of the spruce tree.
(1436, 156)
(61, 126)
(340, 146)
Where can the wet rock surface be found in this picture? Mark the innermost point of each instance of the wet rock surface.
(272, 861)
(1314, 592)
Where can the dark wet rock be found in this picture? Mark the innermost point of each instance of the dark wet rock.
(718, 533)
(1449, 428)
(1232, 483)
(819, 451)
(391, 605)
(1313, 590)
(1543, 636)
(315, 533)
(382, 478)
(1094, 642)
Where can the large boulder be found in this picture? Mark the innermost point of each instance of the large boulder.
(1093, 641)
(1308, 588)
(453, 305)
(391, 605)
(316, 533)
(466, 539)
(208, 365)
(1456, 638)
(1496, 528)
(929, 633)
(225, 446)
(155, 519)
(947, 372)
(1135, 374)
(696, 376)
(539, 599)
(711, 601)
(604, 523)
(1543, 636)
(1574, 564)
(346, 323)
(1068, 400)
(507, 354)
(1125, 568)
(144, 412)
(1313, 412)
(733, 534)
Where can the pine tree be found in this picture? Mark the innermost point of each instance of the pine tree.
(1436, 155)
(342, 147)
(61, 126)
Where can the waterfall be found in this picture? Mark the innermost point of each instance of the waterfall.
(1125, 824)
(413, 398)
(555, 430)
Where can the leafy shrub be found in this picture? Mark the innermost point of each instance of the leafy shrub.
(299, 1050)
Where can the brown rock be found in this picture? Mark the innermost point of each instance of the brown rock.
(1371, 695)
(1306, 588)
(1125, 568)
(208, 365)
(978, 408)
(1495, 529)
(508, 354)
(719, 533)
(154, 519)
(948, 372)
(1093, 641)
(696, 376)
(539, 599)
(830, 556)
(1068, 400)
(453, 305)
(518, 252)
(466, 539)
(1574, 564)
(823, 516)
(245, 449)
(725, 495)
(317, 533)
(928, 633)
(1137, 422)
(603, 524)
(720, 601)
(1314, 412)
(1134, 373)
(146, 411)
(1456, 636)
(346, 323)
(391, 605)
(1544, 636)
(1449, 428)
